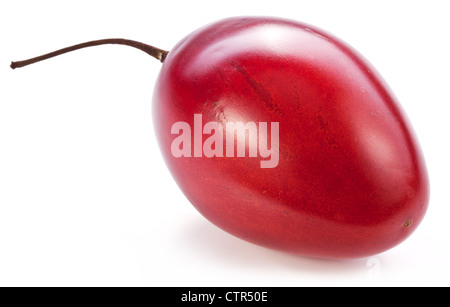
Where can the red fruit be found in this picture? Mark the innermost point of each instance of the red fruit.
(350, 182)
(347, 178)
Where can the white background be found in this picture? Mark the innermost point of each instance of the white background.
(85, 197)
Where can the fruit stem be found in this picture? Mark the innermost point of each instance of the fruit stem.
(153, 51)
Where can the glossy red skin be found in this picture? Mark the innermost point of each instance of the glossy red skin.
(351, 180)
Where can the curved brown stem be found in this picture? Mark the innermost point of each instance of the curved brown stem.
(153, 51)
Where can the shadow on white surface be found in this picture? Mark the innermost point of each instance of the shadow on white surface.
(221, 249)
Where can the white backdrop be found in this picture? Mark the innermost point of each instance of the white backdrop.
(85, 197)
